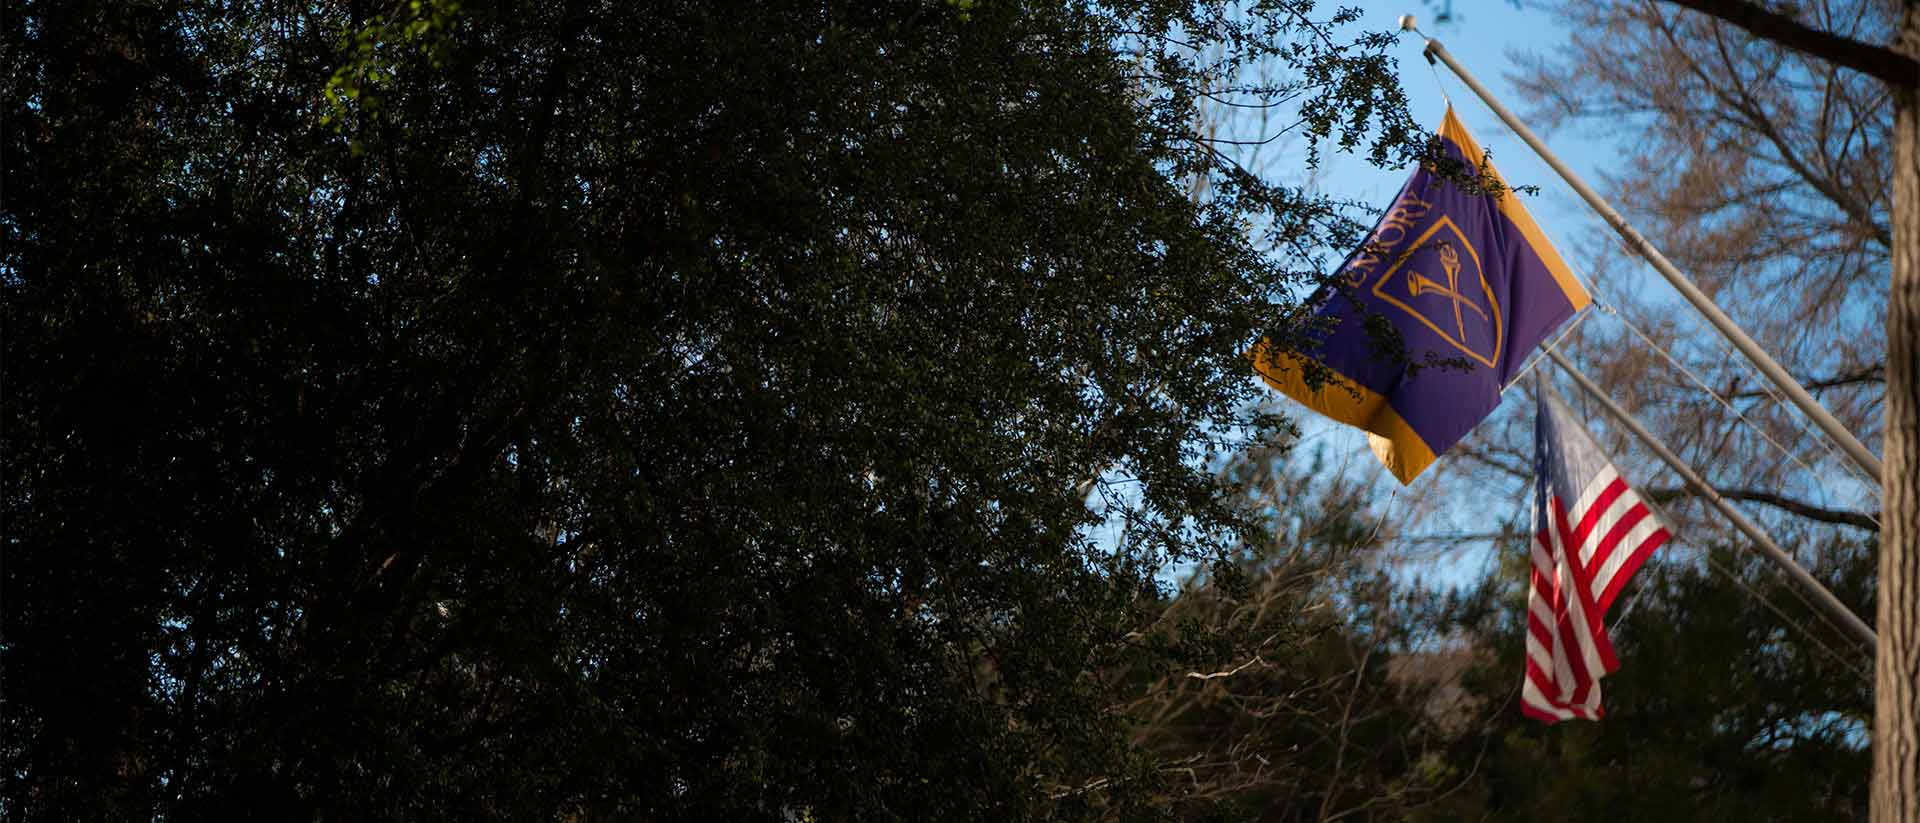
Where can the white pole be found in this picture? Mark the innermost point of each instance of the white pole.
(1856, 450)
(1821, 597)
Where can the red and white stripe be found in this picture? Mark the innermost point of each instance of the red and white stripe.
(1582, 555)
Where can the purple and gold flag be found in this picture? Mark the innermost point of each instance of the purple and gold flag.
(1464, 278)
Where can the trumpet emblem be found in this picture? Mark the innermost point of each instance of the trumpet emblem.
(1419, 284)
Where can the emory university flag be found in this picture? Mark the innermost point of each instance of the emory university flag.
(1591, 532)
(1467, 278)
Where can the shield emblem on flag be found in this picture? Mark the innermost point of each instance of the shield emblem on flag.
(1442, 285)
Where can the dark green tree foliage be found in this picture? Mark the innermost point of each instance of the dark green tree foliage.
(596, 410)
(1723, 708)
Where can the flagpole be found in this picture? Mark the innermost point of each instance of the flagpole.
(1861, 455)
(1821, 597)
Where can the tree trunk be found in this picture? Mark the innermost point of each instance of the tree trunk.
(1896, 716)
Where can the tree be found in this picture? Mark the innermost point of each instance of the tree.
(1327, 686)
(1728, 704)
(1319, 683)
(622, 411)
(1890, 58)
(1307, 683)
(1759, 171)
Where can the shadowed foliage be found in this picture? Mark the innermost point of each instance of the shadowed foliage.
(594, 410)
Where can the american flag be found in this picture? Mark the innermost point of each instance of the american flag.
(1591, 532)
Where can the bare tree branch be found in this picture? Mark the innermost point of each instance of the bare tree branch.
(1800, 508)
(1498, 462)
(1869, 374)
(1891, 67)
(1229, 672)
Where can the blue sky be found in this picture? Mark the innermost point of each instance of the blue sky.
(1484, 36)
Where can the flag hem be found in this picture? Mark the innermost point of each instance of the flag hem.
(1396, 443)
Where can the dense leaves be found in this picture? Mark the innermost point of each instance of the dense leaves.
(597, 410)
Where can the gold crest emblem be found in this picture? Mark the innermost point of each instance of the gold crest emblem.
(1441, 300)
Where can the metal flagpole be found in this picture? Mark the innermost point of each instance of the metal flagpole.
(1821, 597)
(1856, 450)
